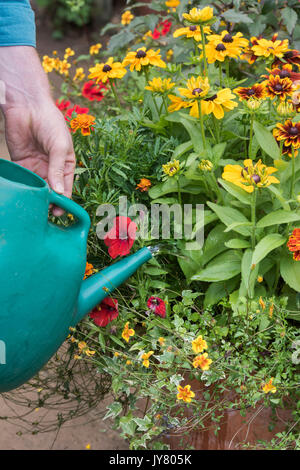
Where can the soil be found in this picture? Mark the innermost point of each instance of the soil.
(88, 429)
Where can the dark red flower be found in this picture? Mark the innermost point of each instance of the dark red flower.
(93, 91)
(166, 26)
(157, 305)
(76, 109)
(155, 34)
(62, 105)
(121, 237)
(105, 313)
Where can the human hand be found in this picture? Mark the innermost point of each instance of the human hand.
(36, 133)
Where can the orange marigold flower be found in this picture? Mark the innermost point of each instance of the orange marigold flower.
(89, 270)
(127, 17)
(142, 58)
(145, 358)
(185, 393)
(279, 87)
(199, 344)
(127, 332)
(202, 361)
(144, 185)
(95, 48)
(294, 244)
(83, 122)
(269, 387)
(255, 91)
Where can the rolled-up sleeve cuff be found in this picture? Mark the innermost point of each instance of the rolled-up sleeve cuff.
(17, 25)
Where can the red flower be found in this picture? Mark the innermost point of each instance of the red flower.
(62, 105)
(155, 34)
(157, 305)
(76, 109)
(166, 27)
(106, 312)
(121, 237)
(92, 91)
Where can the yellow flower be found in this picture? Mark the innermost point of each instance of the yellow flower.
(79, 75)
(199, 16)
(271, 310)
(82, 345)
(128, 362)
(161, 341)
(64, 67)
(95, 48)
(173, 4)
(192, 31)
(127, 332)
(89, 270)
(48, 63)
(127, 17)
(267, 48)
(195, 88)
(262, 303)
(105, 71)
(68, 53)
(202, 361)
(142, 58)
(185, 393)
(224, 45)
(88, 446)
(250, 175)
(82, 122)
(89, 352)
(269, 387)
(116, 354)
(171, 168)
(177, 103)
(205, 165)
(217, 104)
(170, 54)
(199, 344)
(145, 358)
(158, 85)
(144, 185)
(260, 279)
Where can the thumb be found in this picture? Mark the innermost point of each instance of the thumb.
(56, 170)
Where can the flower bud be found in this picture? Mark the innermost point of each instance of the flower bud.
(205, 165)
(253, 104)
(285, 109)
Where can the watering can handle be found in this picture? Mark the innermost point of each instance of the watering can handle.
(83, 223)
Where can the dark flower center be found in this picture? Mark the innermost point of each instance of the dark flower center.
(220, 47)
(250, 92)
(211, 98)
(140, 54)
(289, 55)
(255, 178)
(284, 73)
(244, 169)
(227, 38)
(106, 68)
(293, 130)
(193, 28)
(278, 87)
(197, 90)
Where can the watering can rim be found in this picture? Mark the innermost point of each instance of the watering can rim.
(42, 184)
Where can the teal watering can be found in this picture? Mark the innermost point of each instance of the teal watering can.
(42, 266)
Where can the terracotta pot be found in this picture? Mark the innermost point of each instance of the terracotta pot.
(235, 430)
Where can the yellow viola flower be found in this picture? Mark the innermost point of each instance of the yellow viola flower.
(185, 393)
(105, 71)
(79, 74)
(127, 332)
(218, 103)
(68, 53)
(171, 168)
(145, 358)
(192, 31)
(267, 48)
(199, 344)
(127, 17)
(202, 361)
(205, 165)
(142, 58)
(268, 387)
(95, 48)
(250, 176)
(199, 16)
(158, 85)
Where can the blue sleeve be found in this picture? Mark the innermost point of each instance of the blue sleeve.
(17, 25)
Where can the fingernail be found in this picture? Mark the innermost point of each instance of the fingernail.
(59, 188)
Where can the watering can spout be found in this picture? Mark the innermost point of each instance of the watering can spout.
(100, 285)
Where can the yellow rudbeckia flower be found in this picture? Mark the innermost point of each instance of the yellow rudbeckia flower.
(199, 16)
(142, 58)
(250, 176)
(158, 85)
(105, 71)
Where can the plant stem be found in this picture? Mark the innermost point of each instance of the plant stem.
(203, 48)
(253, 216)
(111, 82)
(251, 136)
(293, 173)
(220, 75)
(179, 192)
(227, 69)
(201, 124)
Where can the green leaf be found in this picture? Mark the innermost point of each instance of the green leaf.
(182, 149)
(236, 17)
(290, 271)
(101, 341)
(290, 18)
(114, 409)
(117, 341)
(278, 217)
(235, 191)
(218, 290)
(266, 140)
(221, 268)
(152, 271)
(230, 216)
(267, 244)
(237, 243)
(215, 243)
